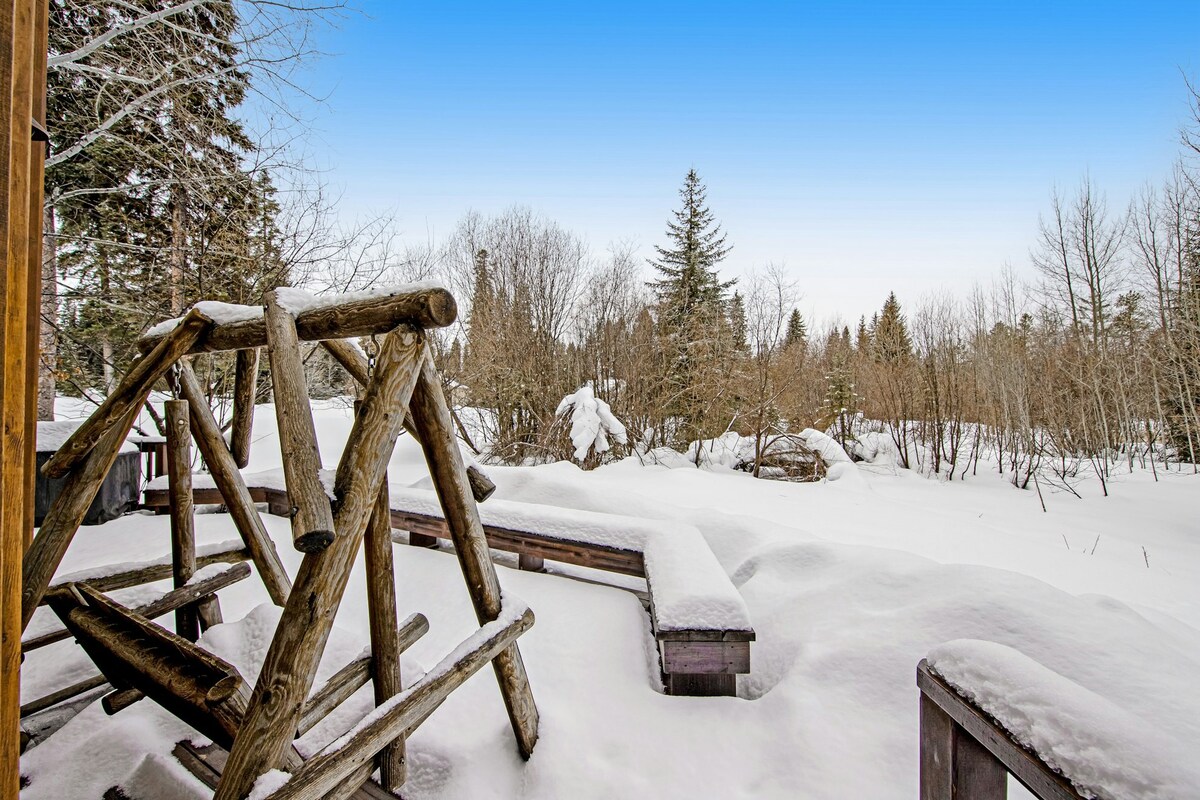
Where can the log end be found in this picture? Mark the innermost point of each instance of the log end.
(441, 308)
(223, 689)
(313, 541)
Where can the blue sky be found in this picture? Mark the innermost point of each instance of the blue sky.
(869, 147)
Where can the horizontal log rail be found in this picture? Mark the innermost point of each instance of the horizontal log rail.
(431, 307)
(966, 755)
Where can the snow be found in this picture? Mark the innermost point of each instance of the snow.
(1106, 751)
(592, 422)
(848, 584)
(267, 783)
(218, 312)
(52, 435)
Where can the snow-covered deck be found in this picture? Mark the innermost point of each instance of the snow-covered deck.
(699, 618)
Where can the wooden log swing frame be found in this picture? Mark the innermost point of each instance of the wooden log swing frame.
(258, 725)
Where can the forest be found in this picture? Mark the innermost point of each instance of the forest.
(164, 189)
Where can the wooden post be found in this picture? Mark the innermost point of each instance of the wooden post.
(328, 770)
(431, 307)
(245, 388)
(385, 639)
(431, 417)
(953, 765)
(183, 526)
(312, 518)
(233, 488)
(291, 661)
(67, 511)
(131, 393)
(354, 363)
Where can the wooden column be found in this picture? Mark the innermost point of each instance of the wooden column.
(385, 638)
(183, 525)
(233, 489)
(431, 418)
(311, 516)
(22, 50)
(953, 765)
(245, 388)
(291, 661)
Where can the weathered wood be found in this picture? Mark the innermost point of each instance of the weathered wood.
(530, 563)
(121, 699)
(65, 514)
(968, 721)
(431, 418)
(170, 601)
(291, 660)
(198, 687)
(66, 693)
(151, 572)
(130, 393)
(245, 387)
(183, 524)
(311, 515)
(730, 658)
(684, 684)
(953, 765)
(355, 363)
(424, 308)
(233, 489)
(321, 773)
(207, 762)
(385, 639)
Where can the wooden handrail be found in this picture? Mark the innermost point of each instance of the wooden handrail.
(967, 755)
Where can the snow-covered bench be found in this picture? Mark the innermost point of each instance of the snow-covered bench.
(699, 619)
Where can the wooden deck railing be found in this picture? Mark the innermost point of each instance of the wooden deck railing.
(965, 755)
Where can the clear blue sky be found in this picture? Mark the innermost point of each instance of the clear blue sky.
(869, 146)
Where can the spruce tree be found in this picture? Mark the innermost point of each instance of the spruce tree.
(797, 330)
(689, 281)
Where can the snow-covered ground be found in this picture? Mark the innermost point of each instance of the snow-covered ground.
(849, 583)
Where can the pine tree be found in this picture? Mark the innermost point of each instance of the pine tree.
(892, 344)
(737, 323)
(689, 279)
(797, 330)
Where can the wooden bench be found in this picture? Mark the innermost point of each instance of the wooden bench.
(697, 658)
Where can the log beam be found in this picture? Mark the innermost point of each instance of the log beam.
(183, 524)
(245, 388)
(385, 638)
(431, 417)
(129, 394)
(233, 489)
(430, 307)
(311, 515)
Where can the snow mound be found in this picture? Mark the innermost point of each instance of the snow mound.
(592, 422)
(1106, 751)
(52, 435)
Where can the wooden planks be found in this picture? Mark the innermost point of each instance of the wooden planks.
(430, 307)
(965, 754)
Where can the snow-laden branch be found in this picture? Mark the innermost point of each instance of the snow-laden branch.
(55, 62)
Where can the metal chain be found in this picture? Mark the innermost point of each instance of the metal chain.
(372, 351)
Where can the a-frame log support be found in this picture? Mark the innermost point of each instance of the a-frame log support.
(291, 661)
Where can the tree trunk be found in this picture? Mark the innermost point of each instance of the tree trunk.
(49, 326)
(178, 247)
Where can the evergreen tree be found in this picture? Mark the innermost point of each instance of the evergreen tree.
(892, 344)
(737, 323)
(797, 330)
(689, 281)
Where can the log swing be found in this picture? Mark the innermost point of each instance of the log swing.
(257, 726)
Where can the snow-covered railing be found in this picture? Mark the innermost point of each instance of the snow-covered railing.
(699, 618)
(988, 711)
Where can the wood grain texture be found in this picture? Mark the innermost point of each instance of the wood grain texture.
(233, 489)
(325, 771)
(311, 515)
(427, 308)
(245, 388)
(729, 658)
(291, 660)
(66, 513)
(207, 762)
(431, 418)
(130, 393)
(967, 720)
(385, 637)
(355, 363)
(183, 523)
(103, 581)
